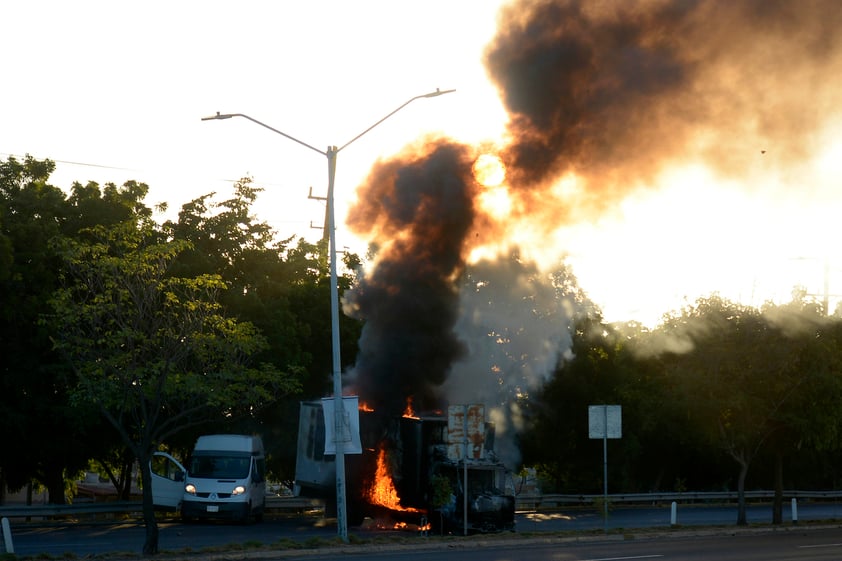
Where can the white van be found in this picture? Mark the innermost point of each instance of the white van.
(226, 478)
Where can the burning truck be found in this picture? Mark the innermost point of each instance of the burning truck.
(413, 469)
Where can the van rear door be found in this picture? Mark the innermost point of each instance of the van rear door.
(168, 477)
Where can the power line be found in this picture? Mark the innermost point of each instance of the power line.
(7, 154)
(135, 170)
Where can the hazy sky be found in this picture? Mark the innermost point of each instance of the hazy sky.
(115, 91)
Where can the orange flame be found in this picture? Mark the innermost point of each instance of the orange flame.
(365, 407)
(409, 412)
(383, 490)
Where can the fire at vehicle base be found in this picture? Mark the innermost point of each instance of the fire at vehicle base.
(413, 471)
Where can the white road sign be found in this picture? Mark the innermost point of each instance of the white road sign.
(605, 421)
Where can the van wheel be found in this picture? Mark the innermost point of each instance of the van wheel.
(246, 517)
(258, 516)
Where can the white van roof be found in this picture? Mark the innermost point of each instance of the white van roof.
(230, 442)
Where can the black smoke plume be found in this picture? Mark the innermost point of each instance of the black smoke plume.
(614, 92)
(420, 208)
(611, 92)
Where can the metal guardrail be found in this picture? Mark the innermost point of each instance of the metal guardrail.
(132, 507)
(556, 500)
(37, 511)
(524, 502)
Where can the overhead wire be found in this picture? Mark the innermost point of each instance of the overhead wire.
(140, 171)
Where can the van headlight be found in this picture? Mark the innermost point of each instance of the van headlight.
(190, 488)
(238, 490)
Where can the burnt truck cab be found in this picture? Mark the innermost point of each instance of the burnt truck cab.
(458, 448)
(421, 450)
(490, 509)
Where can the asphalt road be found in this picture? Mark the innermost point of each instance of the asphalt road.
(82, 539)
(817, 545)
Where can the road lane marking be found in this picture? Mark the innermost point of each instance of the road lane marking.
(624, 558)
(820, 545)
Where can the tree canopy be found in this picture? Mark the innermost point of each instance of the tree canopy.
(106, 312)
(154, 352)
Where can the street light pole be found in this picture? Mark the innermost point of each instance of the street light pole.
(339, 410)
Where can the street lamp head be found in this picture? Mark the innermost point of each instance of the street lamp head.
(437, 93)
(217, 117)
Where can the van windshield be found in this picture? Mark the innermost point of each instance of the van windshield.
(219, 465)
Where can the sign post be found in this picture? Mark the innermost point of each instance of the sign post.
(605, 421)
(465, 439)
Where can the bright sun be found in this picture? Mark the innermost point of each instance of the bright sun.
(489, 170)
(495, 199)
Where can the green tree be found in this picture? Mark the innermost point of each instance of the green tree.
(154, 352)
(282, 287)
(612, 364)
(44, 436)
(811, 420)
(91, 205)
(737, 375)
(558, 413)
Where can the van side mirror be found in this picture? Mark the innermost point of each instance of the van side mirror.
(178, 476)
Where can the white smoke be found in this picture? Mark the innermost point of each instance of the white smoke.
(516, 322)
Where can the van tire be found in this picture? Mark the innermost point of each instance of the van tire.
(246, 516)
